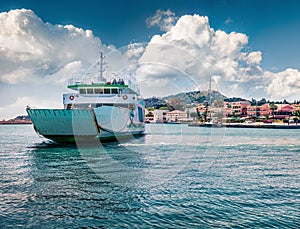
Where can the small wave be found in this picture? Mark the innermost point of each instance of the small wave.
(49, 144)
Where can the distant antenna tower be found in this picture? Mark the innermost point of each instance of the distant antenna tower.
(101, 70)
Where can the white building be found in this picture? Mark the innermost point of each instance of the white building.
(160, 115)
(176, 116)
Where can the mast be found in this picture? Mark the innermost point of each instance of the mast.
(101, 70)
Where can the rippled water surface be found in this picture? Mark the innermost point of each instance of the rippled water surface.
(173, 177)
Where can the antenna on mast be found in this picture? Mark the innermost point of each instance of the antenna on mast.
(101, 70)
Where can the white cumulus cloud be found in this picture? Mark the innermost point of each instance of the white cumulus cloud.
(32, 48)
(194, 51)
(199, 53)
(37, 58)
(164, 19)
(285, 84)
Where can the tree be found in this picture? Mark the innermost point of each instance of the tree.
(262, 102)
(285, 101)
(204, 116)
(297, 114)
(273, 107)
(206, 104)
(163, 108)
(253, 102)
(193, 115)
(198, 113)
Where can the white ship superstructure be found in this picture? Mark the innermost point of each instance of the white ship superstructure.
(96, 109)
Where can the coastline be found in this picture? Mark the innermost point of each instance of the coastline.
(248, 125)
(13, 122)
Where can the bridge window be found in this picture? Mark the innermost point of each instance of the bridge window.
(82, 91)
(98, 90)
(114, 90)
(90, 91)
(106, 90)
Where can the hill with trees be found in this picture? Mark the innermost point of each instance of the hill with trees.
(181, 100)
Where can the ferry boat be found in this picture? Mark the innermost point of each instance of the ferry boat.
(96, 109)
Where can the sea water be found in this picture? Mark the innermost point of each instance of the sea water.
(174, 176)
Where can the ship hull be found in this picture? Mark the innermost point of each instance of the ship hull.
(85, 125)
(72, 139)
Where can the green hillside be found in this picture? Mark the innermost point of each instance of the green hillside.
(181, 100)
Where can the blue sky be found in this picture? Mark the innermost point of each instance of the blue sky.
(273, 26)
(249, 48)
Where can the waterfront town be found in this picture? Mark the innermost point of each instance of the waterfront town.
(21, 119)
(176, 111)
(241, 111)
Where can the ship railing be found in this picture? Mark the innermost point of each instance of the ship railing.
(78, 79)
